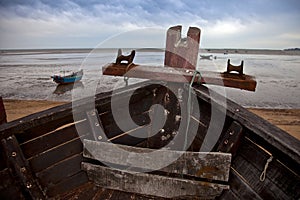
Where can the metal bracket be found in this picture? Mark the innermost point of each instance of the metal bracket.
(20, 168)
(96, 125)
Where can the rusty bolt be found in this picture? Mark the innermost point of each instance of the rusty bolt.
(96, 124)
(99, 137)
(226, 142)
(28, 185)
(13, 154)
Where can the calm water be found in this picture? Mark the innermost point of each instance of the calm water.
(26, 75)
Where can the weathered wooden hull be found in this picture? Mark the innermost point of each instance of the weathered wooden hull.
(42, 154)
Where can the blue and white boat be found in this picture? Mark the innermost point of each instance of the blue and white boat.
(67, 79)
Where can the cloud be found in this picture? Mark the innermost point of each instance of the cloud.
(82, 23)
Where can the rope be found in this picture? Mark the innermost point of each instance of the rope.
(189, 105)
(263, 174)
(125, 77)
(126, 80)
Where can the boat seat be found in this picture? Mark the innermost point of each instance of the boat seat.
(132, 169)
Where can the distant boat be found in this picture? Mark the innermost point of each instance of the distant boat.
(67, 79)
(208, 57)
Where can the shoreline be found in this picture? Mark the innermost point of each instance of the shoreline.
(292, 52)
(286, 119)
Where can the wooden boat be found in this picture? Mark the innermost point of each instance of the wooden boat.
(207, 57)
(68, 152)
(42, 155)
(68, 79)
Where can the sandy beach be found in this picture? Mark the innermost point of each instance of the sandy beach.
(286, 119)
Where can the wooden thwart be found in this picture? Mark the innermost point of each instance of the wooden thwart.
(213, 165)
(170, 74)
(149, 184)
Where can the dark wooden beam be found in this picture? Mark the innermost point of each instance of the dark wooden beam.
(20, 169)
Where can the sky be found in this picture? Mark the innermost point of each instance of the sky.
(256, 24)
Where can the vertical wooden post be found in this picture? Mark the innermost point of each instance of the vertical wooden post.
(182, 52)
(3, 117)
(20, 169)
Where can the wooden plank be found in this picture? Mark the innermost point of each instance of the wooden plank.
(60, 171)
(20, 168)
(214, 166)
(54, 155)
(62, 112)
(201, 133)
(239, 188)
(285, 179)
(169, 74)
(85, 191)
(112, 130)
(116, 135)
(127, 138)
(136, 107)
(40, 130)
(279, 143)
(43, 143)
(266, 189)
(149, 184)
(67, 184)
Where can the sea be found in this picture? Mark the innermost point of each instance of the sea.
(26, 74)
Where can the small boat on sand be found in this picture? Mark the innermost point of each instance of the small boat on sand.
(67, 79)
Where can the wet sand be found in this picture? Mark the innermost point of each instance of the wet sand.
(286, 119)
(16, 109)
